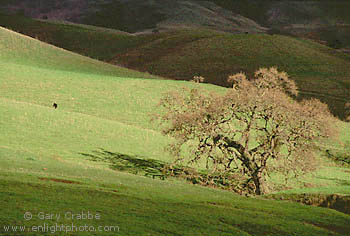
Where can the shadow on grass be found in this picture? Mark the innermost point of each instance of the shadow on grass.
(132, 164)
(158, 169)
(340, 157)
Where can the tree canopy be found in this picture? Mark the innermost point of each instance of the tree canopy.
(253, 130)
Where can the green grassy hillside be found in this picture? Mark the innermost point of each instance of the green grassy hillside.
(47, 164)
(318, 70)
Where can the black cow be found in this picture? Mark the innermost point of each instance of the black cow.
(54, 105)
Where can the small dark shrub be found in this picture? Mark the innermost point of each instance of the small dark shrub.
(347, 112)
(336, 44)
(274, 31)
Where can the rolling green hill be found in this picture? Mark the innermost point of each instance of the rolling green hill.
(63, 160)
(319, 71)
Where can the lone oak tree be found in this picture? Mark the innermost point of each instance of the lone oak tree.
(253, 130)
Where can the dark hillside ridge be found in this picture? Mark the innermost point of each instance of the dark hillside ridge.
(136, 15)
(271, 13)
(267, 13)
(325, 21)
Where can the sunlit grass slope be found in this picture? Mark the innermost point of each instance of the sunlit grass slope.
(20, 50)
(45, 164)
(92, 98)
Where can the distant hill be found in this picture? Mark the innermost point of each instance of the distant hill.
(136, 15)
(327, 21)
(286, 12)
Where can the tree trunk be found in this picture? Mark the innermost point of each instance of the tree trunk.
(260, 187)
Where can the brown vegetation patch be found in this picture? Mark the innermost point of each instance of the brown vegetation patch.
(60, 180)
(335, 229)
(309, 185)
(219, 204)
(333, 201)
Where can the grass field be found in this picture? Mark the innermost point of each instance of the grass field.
(46, 162)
